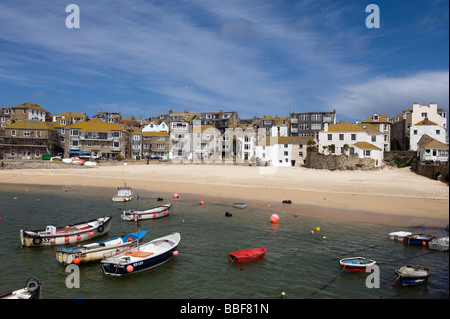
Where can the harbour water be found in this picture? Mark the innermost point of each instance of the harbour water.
(301, 264)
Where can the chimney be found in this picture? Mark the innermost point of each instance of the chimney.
(325, 127)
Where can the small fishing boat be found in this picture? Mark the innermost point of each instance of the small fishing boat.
(68, 234)
(32, 290)
(417, 239)
(398, 235)
(412, 275)
(440, 244)
(144, 257)
(99, 250)
(356, 264)
(151, 213)
(247, 255)
(124, 194)
(239, 205)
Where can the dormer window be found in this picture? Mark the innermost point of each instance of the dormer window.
(375, 117)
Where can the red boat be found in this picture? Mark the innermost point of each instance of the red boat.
(247, 255)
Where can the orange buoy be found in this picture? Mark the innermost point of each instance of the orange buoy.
(274, 218)
(202, 203)
(76, 260)
(130, 268)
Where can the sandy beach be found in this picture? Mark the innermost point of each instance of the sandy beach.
(388, 196)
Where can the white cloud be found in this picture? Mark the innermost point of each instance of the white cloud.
(391, 95)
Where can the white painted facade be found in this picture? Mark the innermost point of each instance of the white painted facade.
(416, 132)
(363, 139)
(420, 112)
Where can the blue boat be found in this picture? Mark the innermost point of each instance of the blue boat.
(99, 250)
(412, 275)
(143, 257)
(418, 239)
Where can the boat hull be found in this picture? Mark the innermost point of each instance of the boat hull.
(151, 213)
(412, 275)
(66, 234)
(418, 239)
(239, 205)
(100, 250)
(356, 264)
(119, 265)
(247, 255)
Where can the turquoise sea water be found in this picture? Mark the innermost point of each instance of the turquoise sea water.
(301, 264)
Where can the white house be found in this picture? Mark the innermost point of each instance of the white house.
(384, 125)
(429, 128)
(430, 149)
(283, 151)
(156, 126)
(347, 138)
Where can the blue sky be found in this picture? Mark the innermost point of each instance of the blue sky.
(254, 57)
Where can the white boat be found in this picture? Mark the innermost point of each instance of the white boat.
(99, 250)
(144, 257)
(124, 194)
(398, 235)
(239, 205)
(356, 264)
(68, 234)
(32, 290)
(440, 244)
(151, 213)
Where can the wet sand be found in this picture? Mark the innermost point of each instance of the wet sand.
(388, 196)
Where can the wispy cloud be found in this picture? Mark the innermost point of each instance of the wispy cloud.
(250, 56)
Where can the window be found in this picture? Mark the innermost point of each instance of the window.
(374, 138)
(286, 153)
(160, 138)
(366, 152)
(26, 133)
(74, 132)
(13, 133)
(89, 143)
(116, 134)
(415, 132)
(300, 145)
(438, 132)
(75, 143)
(37, 153)
(424, 114)
(161, 146)
(341, 137)
(116, 144)
(330, 137)
(300, 153)
(353, 137)
(285, 146)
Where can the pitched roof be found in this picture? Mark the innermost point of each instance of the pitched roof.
(381, 119)
(95, 126)
(427, 141)
(366, 146)
(28, 105)
(345, 126)
(425, 121)
(31, 125)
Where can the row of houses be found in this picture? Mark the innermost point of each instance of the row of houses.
(28, 131)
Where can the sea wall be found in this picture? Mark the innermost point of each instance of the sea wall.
(338, 162)
(435, 171)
